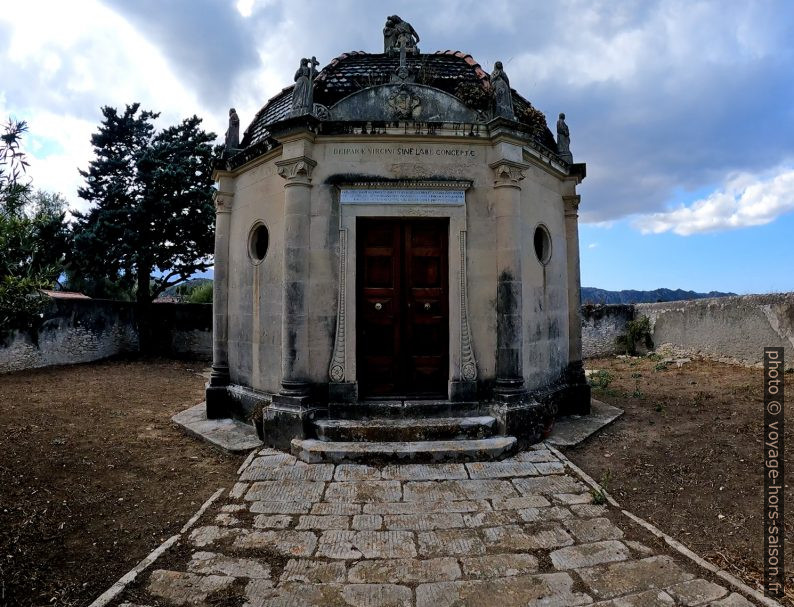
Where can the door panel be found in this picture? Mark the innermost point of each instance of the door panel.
(402, 307)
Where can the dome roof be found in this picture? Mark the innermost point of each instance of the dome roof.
(453, 72)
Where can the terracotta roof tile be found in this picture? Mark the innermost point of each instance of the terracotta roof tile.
(355, 70)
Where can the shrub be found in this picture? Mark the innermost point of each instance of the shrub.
(637, 331)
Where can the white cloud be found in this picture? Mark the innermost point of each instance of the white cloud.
(592, 245)
(745, 200)
(65, 60)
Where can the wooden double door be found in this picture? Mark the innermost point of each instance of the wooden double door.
(402, 297)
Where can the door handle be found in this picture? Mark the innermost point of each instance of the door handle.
(427, 307)
(378, 306)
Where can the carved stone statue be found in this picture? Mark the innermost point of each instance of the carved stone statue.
(399, 34)
(303, 93)
(563, 140)
(233, 132)
(503, 99)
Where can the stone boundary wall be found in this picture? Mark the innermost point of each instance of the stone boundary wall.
(727, 329)
(82, 330)
(601, 324)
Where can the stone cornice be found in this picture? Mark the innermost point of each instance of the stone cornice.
(297, 169)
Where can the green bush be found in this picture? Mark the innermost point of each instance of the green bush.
(201, 294)
(601, 379)
(637, 331)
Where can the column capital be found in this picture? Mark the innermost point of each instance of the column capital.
(223, 201)
(298, 170)
(571, 205)
(508, 172)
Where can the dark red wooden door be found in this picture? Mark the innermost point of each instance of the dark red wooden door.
(402, 307)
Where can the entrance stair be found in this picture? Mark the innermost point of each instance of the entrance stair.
(404, 431)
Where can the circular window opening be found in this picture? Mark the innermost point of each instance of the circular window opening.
(542, 244)
(258, 243)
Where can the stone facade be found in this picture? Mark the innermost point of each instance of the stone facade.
(286, 325)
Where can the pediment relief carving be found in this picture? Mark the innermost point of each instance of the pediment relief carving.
(403, 101)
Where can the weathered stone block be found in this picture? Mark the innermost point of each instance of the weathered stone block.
(404, 571)
(656, 572)
(498, 565)
(588, 555)
(549, 590)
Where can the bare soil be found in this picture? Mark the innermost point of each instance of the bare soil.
(687, 455)
(94, 475)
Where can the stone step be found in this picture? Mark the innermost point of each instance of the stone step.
(314, 451)
(404, 429)
(405, 408)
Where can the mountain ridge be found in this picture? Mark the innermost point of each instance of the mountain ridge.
(593, 295)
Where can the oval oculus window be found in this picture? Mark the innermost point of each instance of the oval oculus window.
(542, 242)
(258, 243)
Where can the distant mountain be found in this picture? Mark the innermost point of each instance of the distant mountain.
(591, 295)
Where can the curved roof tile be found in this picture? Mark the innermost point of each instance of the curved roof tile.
(355, 70)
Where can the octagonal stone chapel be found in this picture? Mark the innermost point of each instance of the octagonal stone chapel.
(397, 262)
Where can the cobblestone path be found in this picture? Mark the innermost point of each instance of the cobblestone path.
(522, 531)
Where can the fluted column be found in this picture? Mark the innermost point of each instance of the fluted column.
(295, 321)
(509, 335)
(216, 395)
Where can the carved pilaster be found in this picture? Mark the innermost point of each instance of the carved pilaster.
(572, 205)
(295, 388)
(216, 395)
(296, 169)
(223, 201)
(468, 364)
(336, 370)
(508, 173)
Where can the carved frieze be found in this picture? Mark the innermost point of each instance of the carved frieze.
(336, 370)
(468, 365)
(405, 103)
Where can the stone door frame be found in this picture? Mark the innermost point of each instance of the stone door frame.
(462, 372)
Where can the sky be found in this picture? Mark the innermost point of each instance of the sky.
(682, 110)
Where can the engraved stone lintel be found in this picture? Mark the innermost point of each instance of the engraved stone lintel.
(403, 196)
(296, 169)
(336, 370)
(223, 201)
(508, 172)
(468, 365)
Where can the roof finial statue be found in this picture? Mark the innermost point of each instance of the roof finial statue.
(503, 98)
(303, 93)
(397, 33)
(563, 140)
(233, 132)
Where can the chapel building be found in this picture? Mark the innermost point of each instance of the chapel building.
(397, 262)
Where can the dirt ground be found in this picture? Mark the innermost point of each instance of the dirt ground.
(687, 455)
(93, 474)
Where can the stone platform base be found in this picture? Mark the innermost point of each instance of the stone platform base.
(228, 434)
(574, 429)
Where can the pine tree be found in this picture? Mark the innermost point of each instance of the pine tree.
(151, 223)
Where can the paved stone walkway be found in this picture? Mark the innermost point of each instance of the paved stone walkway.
(522, 531)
